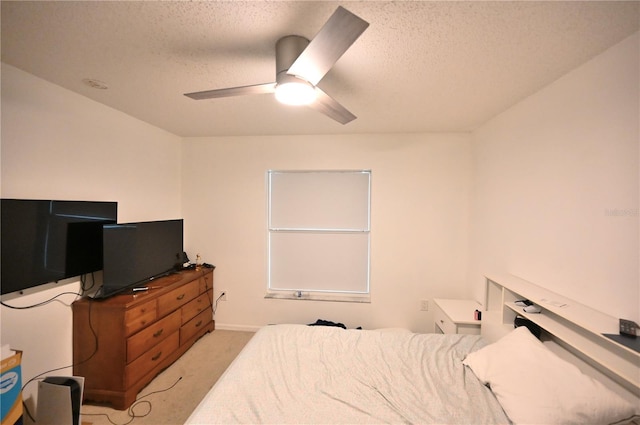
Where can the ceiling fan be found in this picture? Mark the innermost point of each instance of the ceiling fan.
(301, 64)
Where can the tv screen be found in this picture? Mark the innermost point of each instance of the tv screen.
(45, 241)
(135, 253)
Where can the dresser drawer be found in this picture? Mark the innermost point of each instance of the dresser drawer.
(443, 322)
(206, 282)
(144, 340)
(195, 325)
(178, 297)
(195, 307)
(135, 370)
(140, 316)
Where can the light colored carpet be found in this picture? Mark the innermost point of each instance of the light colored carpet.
(200, 367)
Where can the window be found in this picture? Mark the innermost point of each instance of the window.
(319, 234)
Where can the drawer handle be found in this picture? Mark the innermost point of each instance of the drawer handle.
(143, 322)
(198, 324)
(179, 297)
(157, 356)
(441, 321)
(143, 310)
(158, 333)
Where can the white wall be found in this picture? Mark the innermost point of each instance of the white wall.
(557, 186)
(419, 215)
(58, 145)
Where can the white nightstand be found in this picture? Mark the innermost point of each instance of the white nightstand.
(456, 316)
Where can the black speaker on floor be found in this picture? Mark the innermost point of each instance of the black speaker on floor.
(59, 400)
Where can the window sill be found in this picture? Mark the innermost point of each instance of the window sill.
(319, 296)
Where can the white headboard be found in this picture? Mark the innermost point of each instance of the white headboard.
(573, 331)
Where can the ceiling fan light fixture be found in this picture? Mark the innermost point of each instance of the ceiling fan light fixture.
(295, 93)
(301, 64)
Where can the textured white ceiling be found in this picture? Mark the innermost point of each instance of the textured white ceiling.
(419, 67)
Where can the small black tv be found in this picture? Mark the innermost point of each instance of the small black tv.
(136, 253)
(45, 241)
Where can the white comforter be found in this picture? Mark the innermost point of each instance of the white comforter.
(301, 374)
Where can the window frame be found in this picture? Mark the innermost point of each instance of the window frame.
(336, 293)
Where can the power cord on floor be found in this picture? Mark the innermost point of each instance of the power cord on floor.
(139, 402)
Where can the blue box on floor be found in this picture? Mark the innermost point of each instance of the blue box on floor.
(11, 389)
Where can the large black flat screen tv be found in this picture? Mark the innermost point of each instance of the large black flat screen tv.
(45, 241)
(135, 253)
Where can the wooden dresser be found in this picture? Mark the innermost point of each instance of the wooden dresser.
(121, 343)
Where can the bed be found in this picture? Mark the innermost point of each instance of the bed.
(316, 374)
(319, 374)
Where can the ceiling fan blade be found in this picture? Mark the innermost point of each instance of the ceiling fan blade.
(331, 108)
(233, 91)
(336, 36)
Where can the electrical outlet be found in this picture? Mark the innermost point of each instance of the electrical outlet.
(424, 305)
(223, 295)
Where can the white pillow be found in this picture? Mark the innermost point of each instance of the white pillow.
(534, 386)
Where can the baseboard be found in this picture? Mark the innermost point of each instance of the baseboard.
(232, 327)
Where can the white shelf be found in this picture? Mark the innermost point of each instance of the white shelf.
(459, 311)
(589, 345)
(578, 327)
(456, 316)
